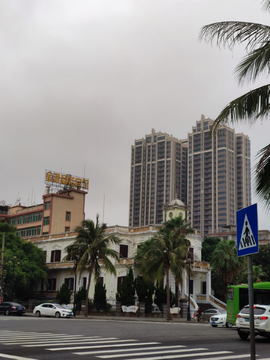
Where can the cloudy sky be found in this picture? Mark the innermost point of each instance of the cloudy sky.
(81, 80)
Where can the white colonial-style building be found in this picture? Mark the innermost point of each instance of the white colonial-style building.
(61, 271)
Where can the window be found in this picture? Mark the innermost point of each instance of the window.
(51, 284)
(70, 283)
(67, 229)
(56, 256)
(47, 205)
(123, 251)
(68, 215)
(46, 220)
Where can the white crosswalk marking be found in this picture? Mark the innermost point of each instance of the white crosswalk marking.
(109, 348)
(111, 351)
(14, 357)
(151, 353)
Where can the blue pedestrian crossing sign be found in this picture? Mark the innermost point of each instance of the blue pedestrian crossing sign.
(247, 231)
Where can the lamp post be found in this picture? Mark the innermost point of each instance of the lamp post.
(189, 262)
(75, 280)
(13, 261)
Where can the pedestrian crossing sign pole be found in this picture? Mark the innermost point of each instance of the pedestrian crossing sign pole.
(248, 244)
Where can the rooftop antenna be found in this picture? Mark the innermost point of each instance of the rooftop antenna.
(103, 207)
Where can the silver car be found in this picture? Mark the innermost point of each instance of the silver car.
(49, 309)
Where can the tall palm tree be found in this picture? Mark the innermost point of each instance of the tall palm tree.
(225, 261)
(90, 246)
(164, 252)
(180, 229)
(255, 104)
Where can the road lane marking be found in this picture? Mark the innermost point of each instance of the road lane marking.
(79, 347)
(56, 341)
(185, 355)
(103, 346)
(5, 356)
(229, 357)
(131, 349)
(151, 353)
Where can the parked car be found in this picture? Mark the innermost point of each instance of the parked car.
(261, 321)
(9, 307)
(49, 309)
(210, 312)
(219, 320)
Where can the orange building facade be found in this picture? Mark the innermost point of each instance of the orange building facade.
(60, 212)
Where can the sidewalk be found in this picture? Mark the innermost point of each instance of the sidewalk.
(123, 318)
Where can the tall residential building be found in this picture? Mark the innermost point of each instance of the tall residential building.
(210, 174)
(219, 176)
(158, 174)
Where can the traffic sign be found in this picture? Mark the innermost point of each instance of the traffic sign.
(247, 230)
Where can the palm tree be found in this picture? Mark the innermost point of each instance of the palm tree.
(164, 252)
(90, 246)
(180, 229)
(255, 104)
(225, 261)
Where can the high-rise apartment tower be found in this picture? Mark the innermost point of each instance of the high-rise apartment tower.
(158, 174)
(219, 176)
(210, 174)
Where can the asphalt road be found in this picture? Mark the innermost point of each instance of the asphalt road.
(29, 338)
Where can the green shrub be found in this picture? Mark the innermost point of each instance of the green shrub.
(64, 294)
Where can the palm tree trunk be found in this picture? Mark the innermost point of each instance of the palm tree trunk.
(88, 287)
(168, 317)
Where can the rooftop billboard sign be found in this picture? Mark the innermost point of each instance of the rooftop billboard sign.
(65, 181)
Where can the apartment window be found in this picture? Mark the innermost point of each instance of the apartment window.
(67, 229)
(40, 216)
(68, 215)
(52, 284)
(56, 256)
(124, 251)
(70, 283)
(46, 220)
(47, 205)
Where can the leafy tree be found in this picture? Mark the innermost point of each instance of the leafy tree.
(161, 296)
(100, 296)
(64, 294)
(262, 259)
(255, 104)
(258, 274)
(90, 246)
(28, 273)
(126, 291)
(164, 252)
(208, 246)
(226, 263)
(144, 290)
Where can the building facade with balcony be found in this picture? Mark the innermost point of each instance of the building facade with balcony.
(61, 271)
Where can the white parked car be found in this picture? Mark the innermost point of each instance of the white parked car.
(49, 309)
(219, 319)
(261, 321)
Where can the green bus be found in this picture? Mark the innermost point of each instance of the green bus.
(237, 298)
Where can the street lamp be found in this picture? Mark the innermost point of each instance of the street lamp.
(75, 280)
(17, 262)
(189, 262)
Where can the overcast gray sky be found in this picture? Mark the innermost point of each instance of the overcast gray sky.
(81, 80)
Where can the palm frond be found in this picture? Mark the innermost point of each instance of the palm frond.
(266, 5)
(262, 177)
(253, 104)
(254, 63)
(231, 32)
